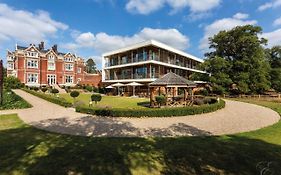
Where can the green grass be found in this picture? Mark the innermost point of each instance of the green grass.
(109, 101)
(26, 150)
(13, 101)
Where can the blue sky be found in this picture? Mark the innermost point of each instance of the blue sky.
(91, 27)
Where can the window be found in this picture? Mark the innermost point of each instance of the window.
(32, 54)
(51, 66)
(32, 78)
(10, 58)
(10, 66)
(32, 63)
(68, 79)
(68, 59)
(51, 57)
(79, 70)
(69, 67)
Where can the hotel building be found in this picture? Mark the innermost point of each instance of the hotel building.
(36, 66)
(145, 62)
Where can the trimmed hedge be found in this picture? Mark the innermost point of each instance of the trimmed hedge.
(155, 112)
(53, 99)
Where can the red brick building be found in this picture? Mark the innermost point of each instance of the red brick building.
(37, 66)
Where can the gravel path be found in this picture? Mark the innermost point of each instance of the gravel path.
(234, 118)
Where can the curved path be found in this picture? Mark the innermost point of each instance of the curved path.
(234, 118)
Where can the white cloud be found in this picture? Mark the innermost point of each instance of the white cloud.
(221, 24)
(277, 22)
(149, 6)
(274, 37)
(144, 6)
(268, 5)
(25, 26)
(103, 42)
(241, 16)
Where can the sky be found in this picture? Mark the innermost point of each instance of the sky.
(92, 27)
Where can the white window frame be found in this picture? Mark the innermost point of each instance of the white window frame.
(31, 63)
(51, 67)
(79, 70)
(69, 77)
(32, 54)
(68, 67)
(68, 59)
(29, 78)
(10, 66)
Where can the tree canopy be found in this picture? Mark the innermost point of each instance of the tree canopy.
(90, 66)
(237, 59)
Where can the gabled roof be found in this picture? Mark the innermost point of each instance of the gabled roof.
(172, 79)
(152, 43)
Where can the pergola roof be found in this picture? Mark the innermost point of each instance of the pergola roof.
(173, 80)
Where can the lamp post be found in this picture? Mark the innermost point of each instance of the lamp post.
(1, 82)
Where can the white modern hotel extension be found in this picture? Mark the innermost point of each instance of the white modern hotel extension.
(144, 63)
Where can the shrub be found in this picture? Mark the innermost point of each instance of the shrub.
(59, 101)
(12, 83)
(89, 88)
(96, 98)
(13, 101)
(54, 91)
(199, 101)
(155, 112)
(44, 89)
(74, 94)
(203, 92)
(161, 100)
(35, 88)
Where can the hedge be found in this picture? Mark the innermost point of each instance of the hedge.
(152, 112)
(53, 99)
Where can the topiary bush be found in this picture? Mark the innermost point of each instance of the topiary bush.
(44, 89)
(74, 94)
(50, 98)
(89, 88)
(161, 100)
(96, 97)
(35, 88)
(54, 91)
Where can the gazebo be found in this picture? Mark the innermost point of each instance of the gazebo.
(170, 85)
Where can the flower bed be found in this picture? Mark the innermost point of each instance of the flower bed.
(155, 112)
(13, 101)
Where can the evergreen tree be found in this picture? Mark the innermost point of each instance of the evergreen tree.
(90, 66)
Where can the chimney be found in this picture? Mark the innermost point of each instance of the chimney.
(41, 46)
(55, 48)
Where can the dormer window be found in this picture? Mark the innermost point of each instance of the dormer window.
(10, 58)
(68, 59)
(51, 57)
(32, 54)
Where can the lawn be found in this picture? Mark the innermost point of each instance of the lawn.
(13, 101)
(110, 101)
(26, 150)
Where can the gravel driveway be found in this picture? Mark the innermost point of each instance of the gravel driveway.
(234, 118)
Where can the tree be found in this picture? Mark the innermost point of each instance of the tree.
(74, 94)
(96, 97)
(242, 48)
(274, 57)
(12, 82)
(90, 66)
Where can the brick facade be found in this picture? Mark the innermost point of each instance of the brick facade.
(35, 66)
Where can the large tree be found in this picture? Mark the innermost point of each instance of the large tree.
(90, 66)
(274, 58)
(242, 48)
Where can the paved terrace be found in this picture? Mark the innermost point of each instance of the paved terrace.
(236, 117)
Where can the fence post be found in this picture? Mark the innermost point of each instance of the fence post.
(279, 96)
(259, 96)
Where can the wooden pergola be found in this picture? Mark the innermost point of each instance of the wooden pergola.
(169, 86)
